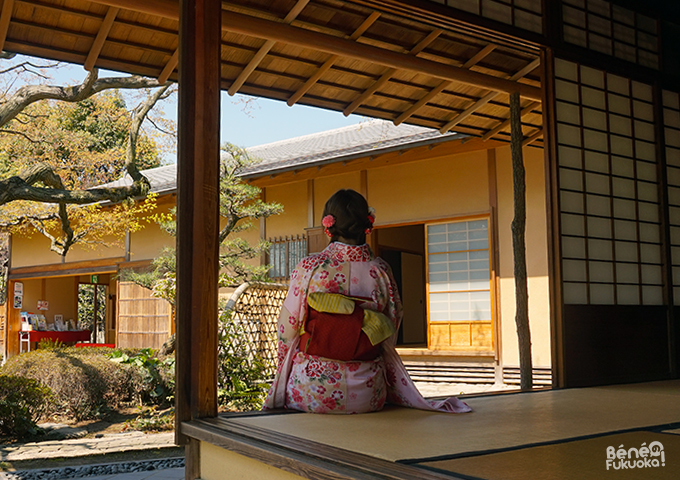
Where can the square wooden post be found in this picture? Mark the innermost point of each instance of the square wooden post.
(197, 217)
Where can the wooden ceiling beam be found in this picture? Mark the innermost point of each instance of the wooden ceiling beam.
(505, 124)
(5, 17)
(264, 49)
(443, 85)
(331, 61)
(98, 43)
(169, 67)
(431, 37)
(257, 27)
(488, 97)
(270, 30)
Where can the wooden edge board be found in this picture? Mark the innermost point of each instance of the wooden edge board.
(302, 457)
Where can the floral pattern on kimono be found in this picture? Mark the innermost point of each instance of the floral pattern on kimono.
(320, 385)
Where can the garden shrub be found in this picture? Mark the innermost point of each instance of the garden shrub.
(22, 403)
(158, 374)
(85, 382)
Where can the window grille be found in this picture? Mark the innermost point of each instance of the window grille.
(284, 254)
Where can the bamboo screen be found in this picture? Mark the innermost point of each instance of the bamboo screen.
(671, 116)
(143, 321)
(612, 30)
(526, 14)
(609, 191)
(250, 326)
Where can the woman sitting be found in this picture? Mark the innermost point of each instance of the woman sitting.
(338, 326)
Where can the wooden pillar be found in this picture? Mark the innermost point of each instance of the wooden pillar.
(197, 217)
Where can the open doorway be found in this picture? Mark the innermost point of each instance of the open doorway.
(92, 310)
(404, 249)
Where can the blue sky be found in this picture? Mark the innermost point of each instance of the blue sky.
(246, 121)
(264, 121)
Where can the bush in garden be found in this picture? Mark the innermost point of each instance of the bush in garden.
(22, 403)
(85, 382)
(158, 374)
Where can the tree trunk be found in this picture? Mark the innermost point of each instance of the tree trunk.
(519, 246)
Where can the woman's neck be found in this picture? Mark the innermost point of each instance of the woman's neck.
(347, 241)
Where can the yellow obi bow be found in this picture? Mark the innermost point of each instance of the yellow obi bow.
(376, 325)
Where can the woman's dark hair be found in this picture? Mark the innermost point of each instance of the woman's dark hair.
(350, 210)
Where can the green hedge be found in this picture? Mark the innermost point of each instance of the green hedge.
(22, 403)
(84, 381)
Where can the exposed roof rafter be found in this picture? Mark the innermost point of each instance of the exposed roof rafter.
(169, 67)
(331, 60)
(98, 43)
(488, 97)
(5, 17)
(264, 50)
(431, 37)
(503, 125)
(443, 85)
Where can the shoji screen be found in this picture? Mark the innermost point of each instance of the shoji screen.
(613, 30)
(614, 317)
(671, 117)
(524, 14)
(609, 190)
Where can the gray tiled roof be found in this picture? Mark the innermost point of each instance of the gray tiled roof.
(357, 140)
(365, 138)
(162, 179)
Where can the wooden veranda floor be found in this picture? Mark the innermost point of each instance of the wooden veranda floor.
(552, 434)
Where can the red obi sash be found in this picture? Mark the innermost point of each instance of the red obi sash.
(338, 336)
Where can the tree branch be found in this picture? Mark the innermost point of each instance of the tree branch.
(91, 85)
(138, 117)
(21, 134)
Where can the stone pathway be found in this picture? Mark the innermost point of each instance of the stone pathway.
(78, 447)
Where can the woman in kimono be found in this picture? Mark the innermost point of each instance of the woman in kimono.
(338, 326)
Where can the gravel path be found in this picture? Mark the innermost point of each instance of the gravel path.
(93, 470)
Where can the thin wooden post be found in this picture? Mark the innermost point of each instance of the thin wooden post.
(519, 245)
(197, 217)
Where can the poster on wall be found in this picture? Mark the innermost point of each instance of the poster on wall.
(43, 305)
(18, 288)
(4, 267)
(18, 301)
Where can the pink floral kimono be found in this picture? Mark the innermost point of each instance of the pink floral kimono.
(320, 385)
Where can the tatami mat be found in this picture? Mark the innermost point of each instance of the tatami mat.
(581, 459)
(498, 422)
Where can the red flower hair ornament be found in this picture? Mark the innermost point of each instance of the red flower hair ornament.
(371, 219)
(328, 221)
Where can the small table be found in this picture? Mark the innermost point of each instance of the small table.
(37, 335)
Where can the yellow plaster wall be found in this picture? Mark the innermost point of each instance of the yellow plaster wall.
(429, 189)
(148, 242)
(32, 251)
(537, 257)
(293, 220)
(220, 464)
(324, 187)
(115, 248)
(62, 295)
